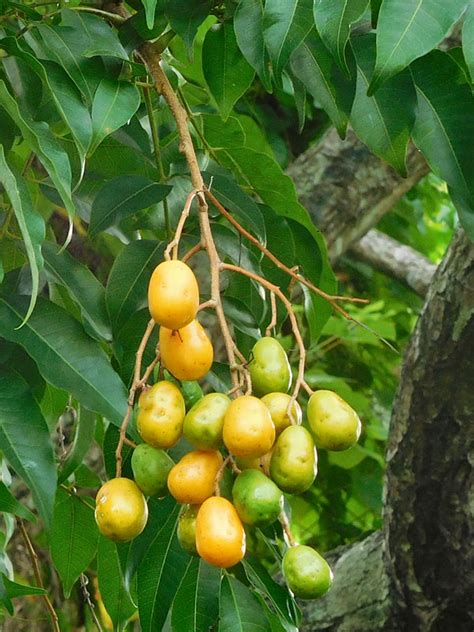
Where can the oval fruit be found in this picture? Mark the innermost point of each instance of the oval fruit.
(150, 469)
(277, 404)
(186, 530)
(261, 463)
(160, 415)
(173, 294)
(187, 353)
(192, 479)
(334, 424)
(257, 499)
(269, 369)
(220, 535)
(121, 511)
(203, 424)
(307, 574)
(248, 427)
(293, 466)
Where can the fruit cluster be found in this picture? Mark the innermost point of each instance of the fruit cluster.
(268, 449)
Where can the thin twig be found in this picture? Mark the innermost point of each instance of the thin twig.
(219, 475)
(84, 581)
(285, 523)
(273, 322)
(307, 387)
(194, 250)
(174, 243)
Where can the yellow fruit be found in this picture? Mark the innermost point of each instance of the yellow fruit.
(220, 535)
(248, 427)
(160, 415)
(269, 368)
(277, 404)
(121, 511)
(334, 424)
(187, 353)
(192, 479)
(173, 294)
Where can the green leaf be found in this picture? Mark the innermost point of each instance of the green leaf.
(286, 25)
(160, 574)
(333, 19)
(324, 80)
(248, 26)
(185, 17)
(30, 223)
(444, 128)
(407, 29)
(150, 6)
(9, 590)
(128, 280)
(82, 285)
(239, 609)
(74, 537)
(196, 604)
(116, 599)
(85, 428)
(115, 102)
(9, 504)
(65, 355)
(384, 121)
(127, 341)
(25, 442)
(121, 197)
(44, 145)
(227, 73)
(468, 40)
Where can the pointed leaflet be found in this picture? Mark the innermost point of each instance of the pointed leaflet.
(65, 355)
(468, 39)
(150, 6)
(116, 599)
(384, 121)
(248, 26)
(444, 127)
(333, 19)
(185, 17)
(227, 73)
(31, 225)
(45, 146)
(9, 590)
(25, 442)
(407, 29)
(9, 504)
(74, 537)
(239, 609)
(115, 102)
(324, 80)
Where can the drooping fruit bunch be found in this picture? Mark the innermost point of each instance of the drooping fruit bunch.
(255, 438)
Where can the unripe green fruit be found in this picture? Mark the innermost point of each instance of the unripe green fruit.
(257, 499)
(150, 468)
(294, 461)
(269, 369)
(203, 424)
(186, 530)
(334, 424)
(307, 574)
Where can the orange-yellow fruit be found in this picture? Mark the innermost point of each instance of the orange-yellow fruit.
(192, 479)
(187, 353)
(248, 427)
(277, 404)
(173, 294)
(161, 414)
(220, 535)
(121, 511)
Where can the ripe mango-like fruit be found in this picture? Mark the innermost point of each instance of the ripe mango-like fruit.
(204, 423)
(187, 353)
(192, 479)
(307, 574)
(293, 466)
(277, 404)
(121, 511)
(257, 499)
(186, 530)
(173, 294)
(334, 424)
(220, 535)
(269, 368)
(248, 427)
(160, 415)
(150, 469)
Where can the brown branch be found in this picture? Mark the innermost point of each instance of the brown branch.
(285, 523)
(273, 322)
(194, 250)
(84, 581)
(174, 243)
(219, 475)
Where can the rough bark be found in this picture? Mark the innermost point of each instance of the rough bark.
(395, 259)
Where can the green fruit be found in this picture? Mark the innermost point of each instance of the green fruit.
(150, 469)
(257, 499)
(307, 574)
(269, 368)
(334, 424)
(204, 422)
(186, 530)
(192, 393)
(294, 462)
